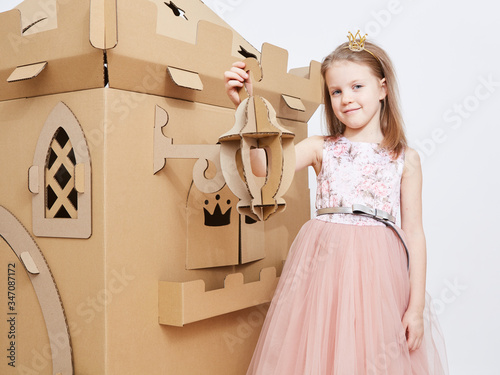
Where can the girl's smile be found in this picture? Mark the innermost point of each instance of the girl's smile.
(353, 110)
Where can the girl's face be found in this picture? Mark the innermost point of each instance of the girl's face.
(355, 94)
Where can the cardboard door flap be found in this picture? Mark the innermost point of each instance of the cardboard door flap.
(185, 78)
(294, 103)
(25, 72)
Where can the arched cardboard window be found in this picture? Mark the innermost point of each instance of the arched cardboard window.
(60, 178)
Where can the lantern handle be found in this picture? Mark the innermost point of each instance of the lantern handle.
(253, 67)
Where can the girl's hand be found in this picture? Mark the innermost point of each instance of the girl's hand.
(413, 324)
(235, 79)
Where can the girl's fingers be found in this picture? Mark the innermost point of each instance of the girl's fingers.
(411, 342)
(414, 343)
(230, 75)
(239, 64)
(411, 339)
(405, 329)
(419, 343)
(235, 78)
(234, 83)
(240, 72)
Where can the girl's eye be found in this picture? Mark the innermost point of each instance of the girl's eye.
(336, 92)
(357, 87)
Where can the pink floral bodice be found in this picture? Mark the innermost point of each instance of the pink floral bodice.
(358, 173)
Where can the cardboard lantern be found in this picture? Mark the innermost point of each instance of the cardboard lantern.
(123, 251)
(257, 127)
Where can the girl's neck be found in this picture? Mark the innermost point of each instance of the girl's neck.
(364, 135)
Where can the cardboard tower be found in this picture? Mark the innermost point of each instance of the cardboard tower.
(127, 248)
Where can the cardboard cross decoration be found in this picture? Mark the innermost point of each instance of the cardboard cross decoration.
(165, 149)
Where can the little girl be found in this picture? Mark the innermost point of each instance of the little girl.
(351, 299)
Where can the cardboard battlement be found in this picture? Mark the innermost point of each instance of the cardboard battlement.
(188, 302)
(144, 47)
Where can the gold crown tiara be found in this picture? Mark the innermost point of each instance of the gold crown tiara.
(357, 43)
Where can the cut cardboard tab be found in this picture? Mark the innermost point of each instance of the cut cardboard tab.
(24, 72)
(294, 103)
(185, 78)
(29, 263)
(103, 24)
(181, 303)
(33, 181)
(80, 178)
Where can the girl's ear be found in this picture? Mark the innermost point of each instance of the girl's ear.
(383, 89)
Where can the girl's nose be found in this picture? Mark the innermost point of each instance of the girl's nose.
(346, 99)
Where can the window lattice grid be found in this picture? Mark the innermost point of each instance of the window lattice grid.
(61, 198)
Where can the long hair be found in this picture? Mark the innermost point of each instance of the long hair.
(391, 120)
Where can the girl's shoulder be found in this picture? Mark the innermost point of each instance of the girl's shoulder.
(315, 141)
(332, 138)
(316, 144)
(412, 161)
(319, 142)
(309, 152)
(328, 139)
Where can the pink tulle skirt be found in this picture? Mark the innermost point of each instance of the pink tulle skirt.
(338, 307)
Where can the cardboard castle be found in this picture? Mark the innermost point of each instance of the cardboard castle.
(128, 246)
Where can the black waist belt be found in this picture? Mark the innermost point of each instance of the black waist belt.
(374, 213)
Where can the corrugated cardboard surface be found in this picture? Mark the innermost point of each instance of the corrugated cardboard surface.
(109, 283)
(141, 221)
(153, 239)
(77, 265)
(72, 63)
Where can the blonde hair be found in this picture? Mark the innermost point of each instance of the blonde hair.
(391, 120)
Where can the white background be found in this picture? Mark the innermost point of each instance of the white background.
(445, 53)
